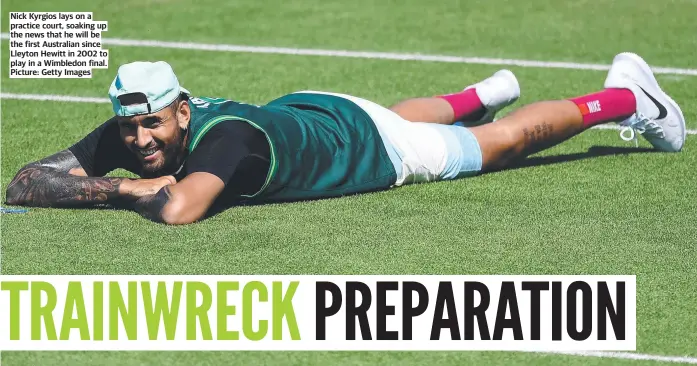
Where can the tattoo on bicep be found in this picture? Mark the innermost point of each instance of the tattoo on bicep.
(151, 206)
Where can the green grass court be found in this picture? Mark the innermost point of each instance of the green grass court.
(593, 205)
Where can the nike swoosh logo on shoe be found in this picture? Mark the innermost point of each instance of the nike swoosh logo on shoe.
(662, 112)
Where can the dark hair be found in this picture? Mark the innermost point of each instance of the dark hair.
(181, 98)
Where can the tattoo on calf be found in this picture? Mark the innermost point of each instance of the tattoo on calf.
(538, 135)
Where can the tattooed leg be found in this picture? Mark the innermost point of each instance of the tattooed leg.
(526, 131)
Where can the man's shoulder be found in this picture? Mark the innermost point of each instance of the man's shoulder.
(204, 109)
(230, 127)
(215, 104)
(228, 130)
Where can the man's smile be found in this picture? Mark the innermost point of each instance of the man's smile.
(150, 154)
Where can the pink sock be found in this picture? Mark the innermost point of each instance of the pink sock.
(464, 103)
(609, 105)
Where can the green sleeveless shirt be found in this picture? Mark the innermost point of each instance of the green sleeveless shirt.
(322, 146)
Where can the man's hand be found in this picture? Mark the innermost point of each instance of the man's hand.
(138, 188)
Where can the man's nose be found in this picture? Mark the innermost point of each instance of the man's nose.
(143, 138)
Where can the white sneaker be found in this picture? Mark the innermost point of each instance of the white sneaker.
(495, 92)
(658, 118)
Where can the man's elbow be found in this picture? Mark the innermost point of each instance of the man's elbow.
(13, 195)
(15, 192)
(176, 212)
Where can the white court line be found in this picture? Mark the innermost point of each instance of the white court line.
(372, 55)
(631, 356)
(68, 98)
(616, 355)
(53, 98)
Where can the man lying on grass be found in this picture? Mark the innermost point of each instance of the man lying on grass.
(198, 154)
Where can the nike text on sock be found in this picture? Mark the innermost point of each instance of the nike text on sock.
(609, 105)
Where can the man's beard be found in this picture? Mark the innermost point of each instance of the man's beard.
(173, 156)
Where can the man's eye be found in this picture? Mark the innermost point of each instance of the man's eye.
(151, 123)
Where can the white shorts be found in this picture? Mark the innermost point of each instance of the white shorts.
(422, 152)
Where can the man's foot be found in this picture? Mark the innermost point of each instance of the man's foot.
(658, 118)
(495, 92)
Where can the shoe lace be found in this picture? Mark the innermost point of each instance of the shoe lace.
(642, 125)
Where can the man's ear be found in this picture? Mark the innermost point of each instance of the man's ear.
(183, 114)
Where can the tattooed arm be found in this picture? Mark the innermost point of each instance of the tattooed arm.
(60, 181)
(152, 207)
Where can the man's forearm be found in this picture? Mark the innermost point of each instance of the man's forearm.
(44, 186)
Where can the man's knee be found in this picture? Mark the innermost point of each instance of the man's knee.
(511, 148)
(500, 145)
